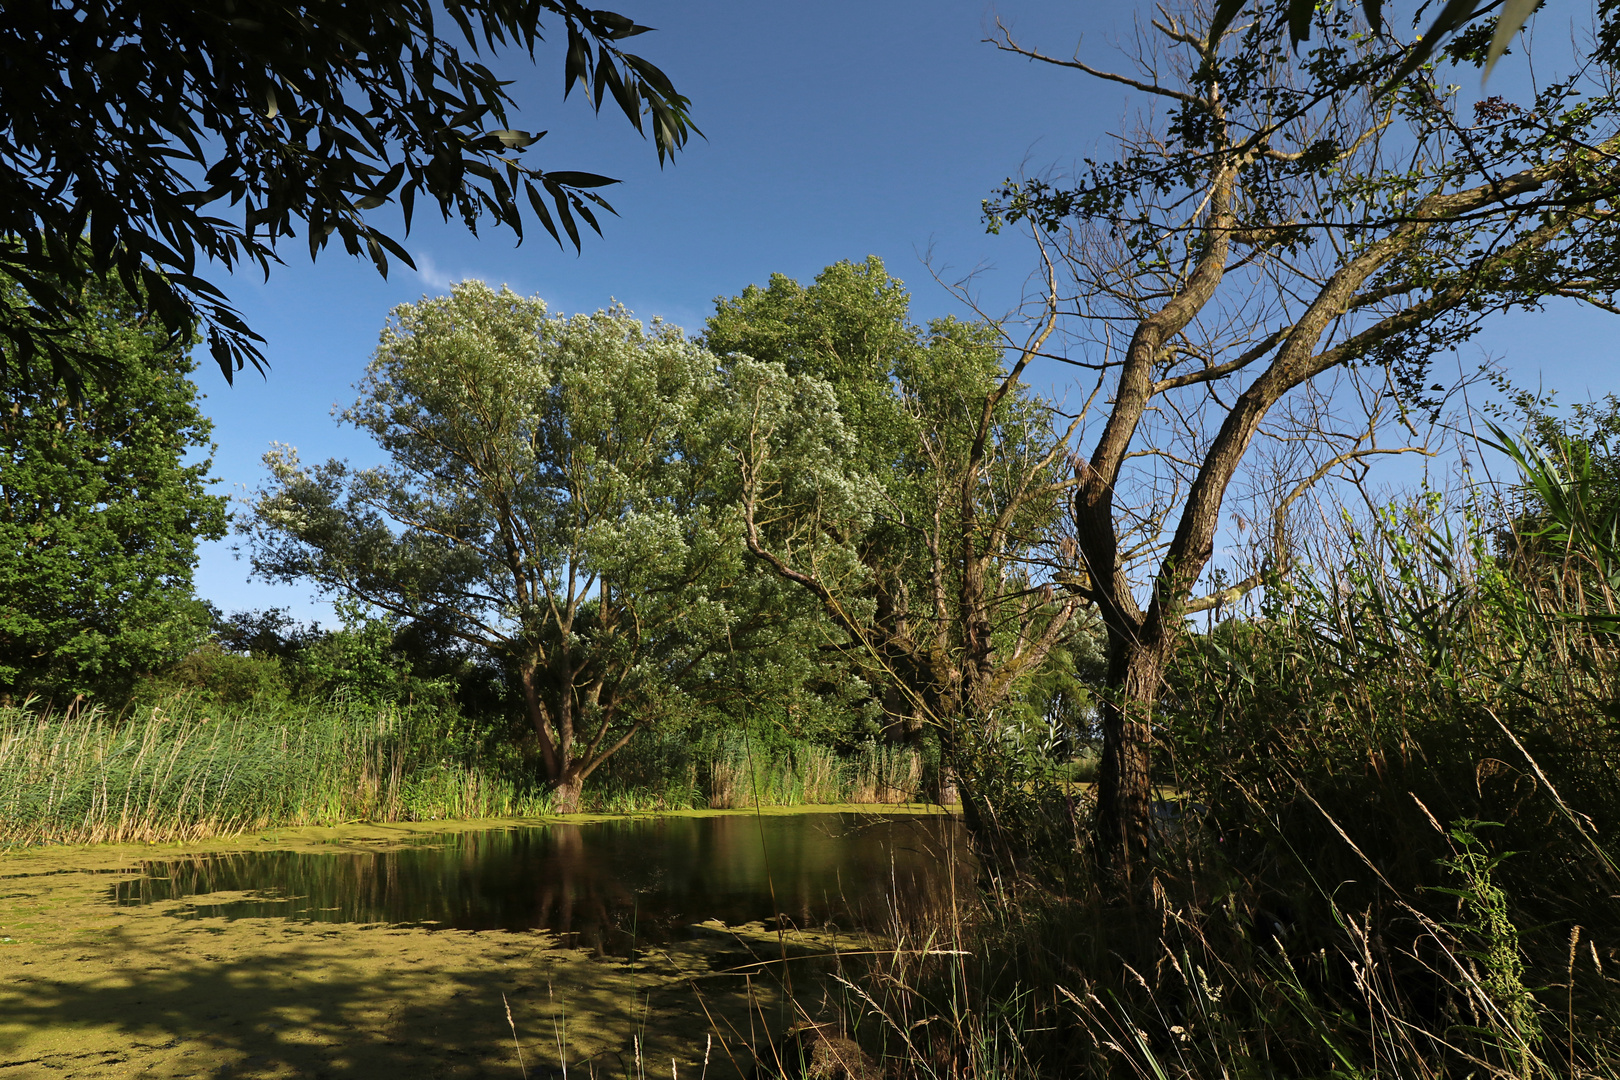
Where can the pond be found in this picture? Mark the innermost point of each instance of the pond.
(609, 886)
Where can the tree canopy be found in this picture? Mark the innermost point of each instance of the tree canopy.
(543, 503)
(101, 510)
(170, 135)
(927, 523)
(639, 530)
(850, 328)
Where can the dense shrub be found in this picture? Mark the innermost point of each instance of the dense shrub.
(1382, 848)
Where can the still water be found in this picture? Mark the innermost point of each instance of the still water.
(604, 885)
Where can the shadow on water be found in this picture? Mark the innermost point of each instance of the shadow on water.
(352, 965)
(606, 886)
(302, 1011)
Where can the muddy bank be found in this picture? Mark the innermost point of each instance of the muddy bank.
(91, 989)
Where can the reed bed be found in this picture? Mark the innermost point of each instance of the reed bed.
(1393, 855)
(180, 771)
(729, 771)
(1072, 987)
(186, 770)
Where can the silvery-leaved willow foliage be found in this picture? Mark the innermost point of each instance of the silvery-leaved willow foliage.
(551, 496)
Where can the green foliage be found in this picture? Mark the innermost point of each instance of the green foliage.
(271, 634)
(920, 508)
(725, 769)
(562, 504)
(1062, 692)
(266, 659)
(1418, 683)
(1388, 851)
(184, 769)
(132, 120)
(850, 329)
(192, 766)
(1564, 532)
(549, 502)
(361, 662)
(1024, 804)
(101, 510)
(1314, 913)
(1486, 919)
(215, 676)
(1286, 240)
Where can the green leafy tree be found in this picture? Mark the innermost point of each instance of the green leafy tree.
(1559, 527)
(541, 504)
(849, 328)
(176, 133)
(101, 510)
(941, 559)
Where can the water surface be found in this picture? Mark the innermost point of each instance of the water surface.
(606, 885)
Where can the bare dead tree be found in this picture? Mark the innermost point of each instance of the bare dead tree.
(1274, 256)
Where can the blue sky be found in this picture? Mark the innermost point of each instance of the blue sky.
(834, 130)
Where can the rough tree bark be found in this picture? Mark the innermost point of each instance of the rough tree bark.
(1291, 265)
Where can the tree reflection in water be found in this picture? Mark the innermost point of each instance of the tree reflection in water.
(607, 886)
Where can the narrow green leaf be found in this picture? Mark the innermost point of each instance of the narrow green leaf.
(219, 347)
(407, 202)
(577, 63)
(1299, 20)
(618, 26)
(459, 13)
(393, 245)
(590, 218)
(1225, 12)
(1515, 13)
(625, 94)
(390, 179)
(580, 179)
(559, 199)
(542, 213)
(604, 64)
(514, 140)
(654, 77)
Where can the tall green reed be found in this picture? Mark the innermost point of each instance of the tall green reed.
(180, 771)
(731, 770)
(185, 769)
(1392, 853)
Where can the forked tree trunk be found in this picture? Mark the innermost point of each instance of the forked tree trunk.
(1124, 782)
(568, 789)
(568, 756)
(564, 773)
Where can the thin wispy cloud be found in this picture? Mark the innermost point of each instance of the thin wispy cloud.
(439, 279)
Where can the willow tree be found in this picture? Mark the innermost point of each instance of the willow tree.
(943, 560)
(897, 391)
(130, 125)
(1279, 251)
(537, 504)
